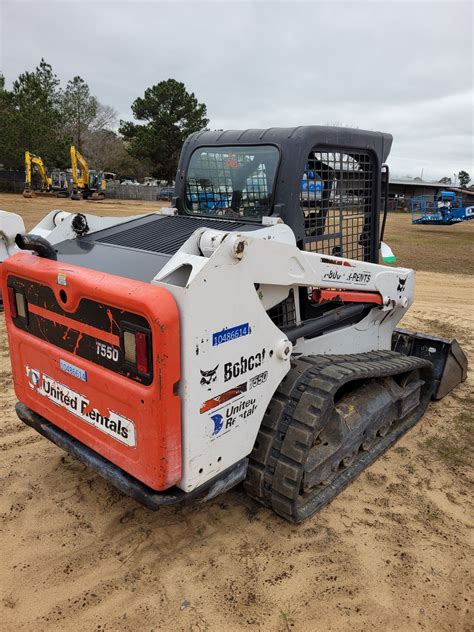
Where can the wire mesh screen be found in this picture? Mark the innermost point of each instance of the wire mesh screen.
(337, 197)
(284, 314)
(231, 181)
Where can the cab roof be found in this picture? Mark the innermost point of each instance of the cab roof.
(302, 137)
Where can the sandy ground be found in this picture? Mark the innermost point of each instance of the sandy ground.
(392, 552)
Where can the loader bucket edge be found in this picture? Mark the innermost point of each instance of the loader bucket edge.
(448, 359)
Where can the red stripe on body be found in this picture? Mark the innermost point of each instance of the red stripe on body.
(82, 328)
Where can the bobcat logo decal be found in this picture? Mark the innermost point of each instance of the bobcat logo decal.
(401, 284)
(208, 377)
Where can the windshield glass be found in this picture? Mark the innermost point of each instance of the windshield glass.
(231, 181)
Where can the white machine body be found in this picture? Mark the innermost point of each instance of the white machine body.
(233, 356)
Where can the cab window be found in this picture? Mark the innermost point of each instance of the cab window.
(234, 181)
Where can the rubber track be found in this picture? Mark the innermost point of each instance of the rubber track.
(297, 413)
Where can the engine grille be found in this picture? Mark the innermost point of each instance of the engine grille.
(162, 234)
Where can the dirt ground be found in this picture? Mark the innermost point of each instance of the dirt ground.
(390, 553)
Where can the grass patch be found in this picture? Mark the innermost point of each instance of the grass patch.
(401, 449)
(457, 447)
(431, 248)
(288, 618)
(428, 513)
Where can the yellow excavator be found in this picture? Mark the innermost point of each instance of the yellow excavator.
(85, 182)
(55, 184)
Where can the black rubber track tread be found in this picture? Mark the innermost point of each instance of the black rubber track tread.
(297, 413)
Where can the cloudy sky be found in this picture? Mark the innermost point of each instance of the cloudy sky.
(399, 67)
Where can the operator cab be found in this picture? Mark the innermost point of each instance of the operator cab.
(324, 182)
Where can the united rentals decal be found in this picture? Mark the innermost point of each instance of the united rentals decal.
(111, 423)
(231, 417)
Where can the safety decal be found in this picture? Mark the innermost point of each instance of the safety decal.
(113, 424)
(226, 335)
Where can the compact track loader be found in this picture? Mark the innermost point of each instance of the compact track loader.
(247, 333)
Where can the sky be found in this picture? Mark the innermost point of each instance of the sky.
(400, 67)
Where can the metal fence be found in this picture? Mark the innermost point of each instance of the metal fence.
(12, 181)
(131, 192)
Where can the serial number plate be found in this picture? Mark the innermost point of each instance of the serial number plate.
(226, 335)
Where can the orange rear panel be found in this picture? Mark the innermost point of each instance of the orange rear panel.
(68, 361)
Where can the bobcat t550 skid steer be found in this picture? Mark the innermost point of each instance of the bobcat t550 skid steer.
(245, 334)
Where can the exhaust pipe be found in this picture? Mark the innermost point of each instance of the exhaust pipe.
(37, 244)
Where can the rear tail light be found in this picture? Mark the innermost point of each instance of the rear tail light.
(18, 304)
(12, 301)
(129, 347)
(141, 342)
(136, 349)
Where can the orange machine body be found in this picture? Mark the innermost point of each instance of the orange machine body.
(69, 331)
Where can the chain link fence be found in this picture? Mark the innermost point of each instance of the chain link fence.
(119, 191)
(14, 182)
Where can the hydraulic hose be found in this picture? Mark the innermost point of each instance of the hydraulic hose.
(335, 318)
(37, 244)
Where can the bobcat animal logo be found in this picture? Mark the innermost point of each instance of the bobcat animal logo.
(401, 284)
(208, 377)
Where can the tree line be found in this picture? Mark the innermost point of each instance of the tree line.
(41, 116)
(38, 115)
